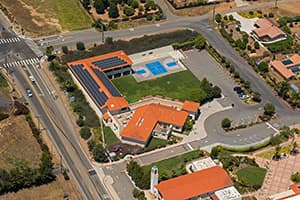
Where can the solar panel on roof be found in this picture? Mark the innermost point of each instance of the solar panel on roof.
(109, 62)
(108, 84)
(90, 84)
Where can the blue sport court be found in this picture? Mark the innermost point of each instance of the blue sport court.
(156, 68)
(140, 71)
(171, 64)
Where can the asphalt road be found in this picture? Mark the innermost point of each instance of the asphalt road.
(52, 115)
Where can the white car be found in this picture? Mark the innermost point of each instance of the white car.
(32, 79)
(29, 92)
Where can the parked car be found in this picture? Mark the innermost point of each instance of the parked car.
(238, 90)
(29, 92)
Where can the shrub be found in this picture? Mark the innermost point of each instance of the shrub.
(149, 17)
(80, 46)
(226, 123)
(263, 67)
(269, 109)
(128, 11)
(65, 49)
(85, 133)
(271, 15)
(256, 45)
(218, 18)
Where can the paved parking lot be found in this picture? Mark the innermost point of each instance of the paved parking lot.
(203, 65)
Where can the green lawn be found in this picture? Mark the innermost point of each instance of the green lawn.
(71, 15)
(181, 85)
(155, 143)
(174, 166)
(252, 176)
(109, 136)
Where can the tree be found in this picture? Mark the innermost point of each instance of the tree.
(200, 42)
(99, 153)
(45, 169)
(263, 67)
(277, 152)
(49, 50)
(269, 109)
(86, 3)
(256, 45)
(275, 140)
(283, 89)
(226, 123)
(128, 11)
(80, 46)
(188, 125)
(134, 4)
(218, 18)
(98, 24)
(256, 97)
(113, 11)
(85, 133)
(65, 49)
(99, 6)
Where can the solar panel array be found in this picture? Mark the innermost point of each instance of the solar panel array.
(109, 62)
(90, 84)
(108, 84)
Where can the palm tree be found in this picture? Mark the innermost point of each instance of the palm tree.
(277, 150)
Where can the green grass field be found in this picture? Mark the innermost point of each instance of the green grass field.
(155, 143)
(109, 136)
(48, 16)
(174, 166)
(269, 154)
(71, 15)
(252, 176)
(181, 85)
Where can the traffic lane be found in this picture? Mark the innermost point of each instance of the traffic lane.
(60, 118)
(161, 154)
(121, 182)
(57, 141)
(240, 137)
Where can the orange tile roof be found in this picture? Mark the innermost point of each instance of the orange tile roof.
(194, 184)
(283, 70)
(116, 103)
(295, 59)
(190, 106)
(267, 28)
(113, 103)
(146, 117)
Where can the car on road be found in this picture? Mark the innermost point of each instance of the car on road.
(32, 78)
(29, 92)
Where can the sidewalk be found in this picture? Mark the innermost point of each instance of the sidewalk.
(207, 110)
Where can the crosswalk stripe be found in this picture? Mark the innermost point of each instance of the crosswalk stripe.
(28, 61)
(9, 40)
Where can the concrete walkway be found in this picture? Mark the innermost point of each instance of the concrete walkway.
(207, 110)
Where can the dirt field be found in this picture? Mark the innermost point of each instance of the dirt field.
(16, 140)
(200, 10)
(53, 191)
(284, 9)
(46, 17)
